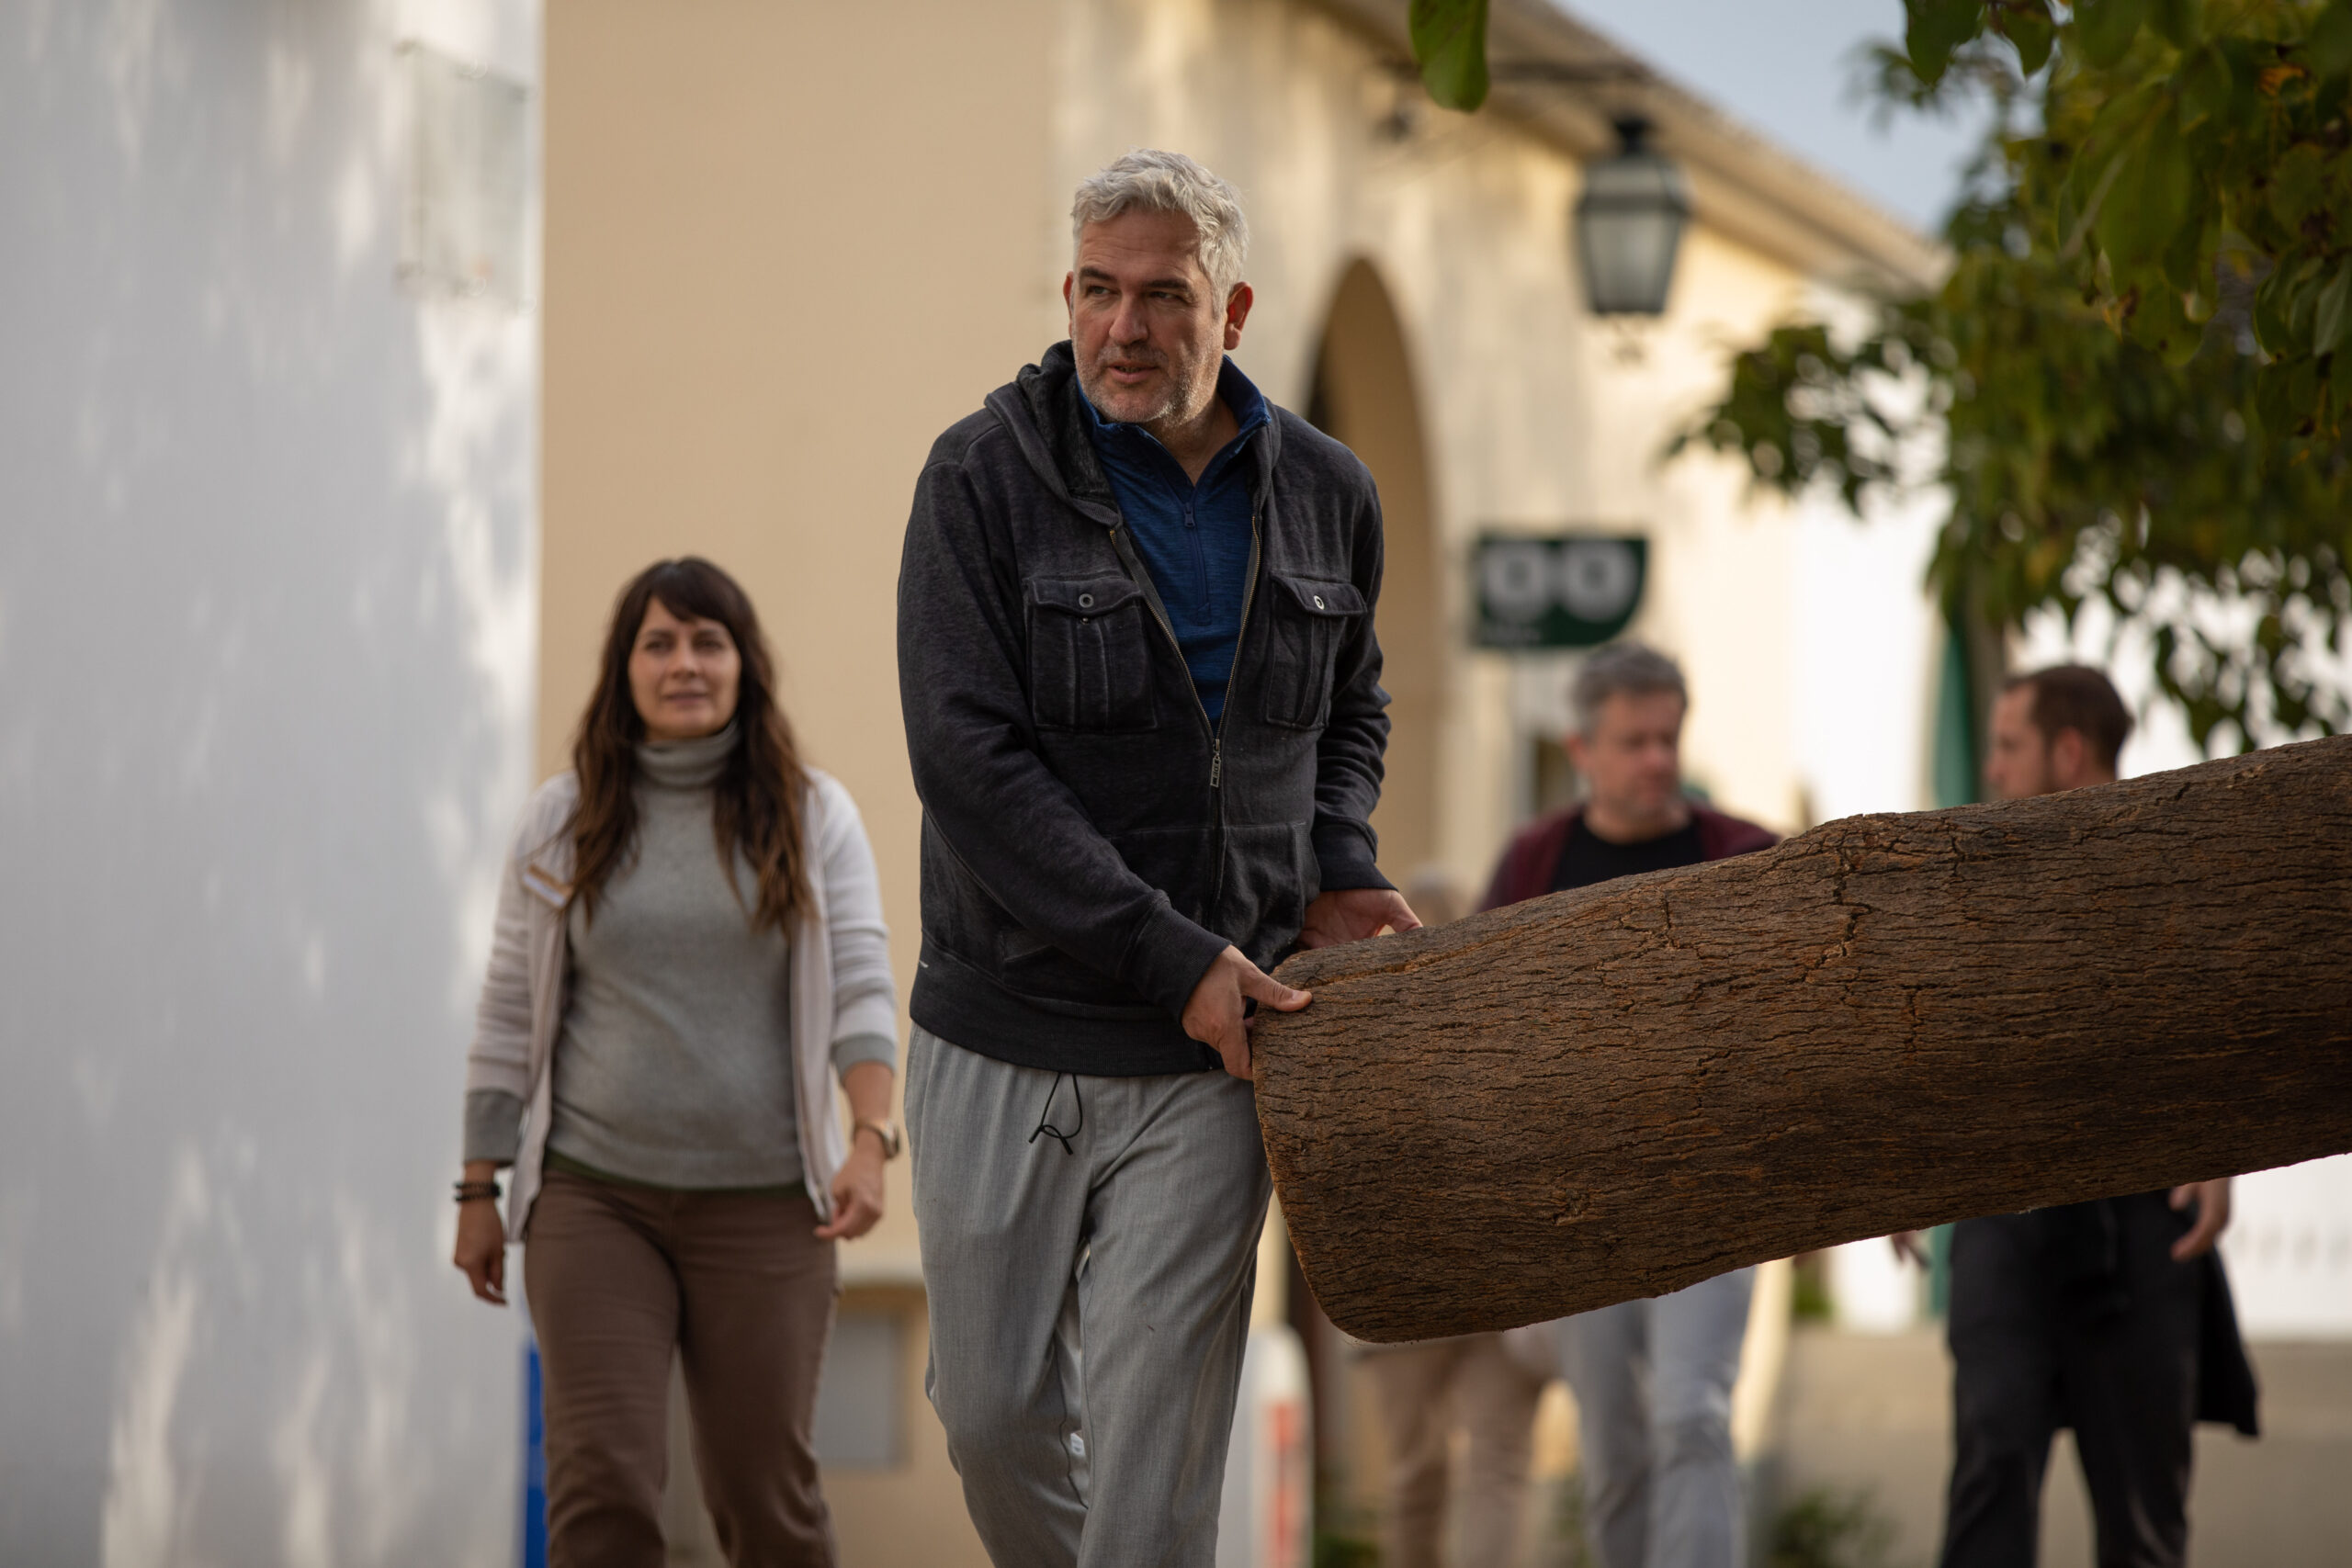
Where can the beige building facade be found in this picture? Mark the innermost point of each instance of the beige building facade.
(787, 246)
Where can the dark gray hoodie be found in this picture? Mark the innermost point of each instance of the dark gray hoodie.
(1091, 842)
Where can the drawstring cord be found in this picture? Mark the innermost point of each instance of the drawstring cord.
(1046, 1129)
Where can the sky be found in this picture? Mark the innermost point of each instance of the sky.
(1785, 68)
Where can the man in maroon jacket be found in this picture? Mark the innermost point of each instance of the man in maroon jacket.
(1652, 1378)
(1629, 702)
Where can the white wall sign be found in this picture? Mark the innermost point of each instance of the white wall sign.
(462, 230)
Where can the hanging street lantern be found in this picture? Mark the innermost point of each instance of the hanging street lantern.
(1629, 225)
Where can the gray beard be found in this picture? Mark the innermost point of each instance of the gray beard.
(1170, 410)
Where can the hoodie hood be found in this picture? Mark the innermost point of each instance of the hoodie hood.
(1040, 408)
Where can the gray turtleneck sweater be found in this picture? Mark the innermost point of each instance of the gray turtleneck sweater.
(674, 1064)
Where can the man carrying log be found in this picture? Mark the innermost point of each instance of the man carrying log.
(1142, 700)
(1652, 1378)
(2111, 1316)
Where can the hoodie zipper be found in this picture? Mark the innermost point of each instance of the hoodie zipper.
(1125, 549)
(1216, 738)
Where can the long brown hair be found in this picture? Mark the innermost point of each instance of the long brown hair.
(757, 798)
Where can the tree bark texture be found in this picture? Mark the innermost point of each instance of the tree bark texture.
(1888, 1023)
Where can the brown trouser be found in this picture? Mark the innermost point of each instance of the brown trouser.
(736, 1285)
(1426, 1390)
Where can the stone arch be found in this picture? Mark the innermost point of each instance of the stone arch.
(1364, 396)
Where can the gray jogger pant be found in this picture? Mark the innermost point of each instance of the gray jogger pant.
(1090, 1299)
(1653, 1383)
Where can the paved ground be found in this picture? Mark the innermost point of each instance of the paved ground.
(1868, 1411)
(1873, 1412)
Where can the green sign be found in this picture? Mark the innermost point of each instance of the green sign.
(1568, 591)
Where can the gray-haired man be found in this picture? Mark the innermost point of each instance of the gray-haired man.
(1653, 1378)
(1142, 700)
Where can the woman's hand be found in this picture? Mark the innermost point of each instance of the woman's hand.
(857, 1185)
(481, 1250)
(857, 1191)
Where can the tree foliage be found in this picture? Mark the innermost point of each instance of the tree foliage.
(2182, 137)
(2134, 382)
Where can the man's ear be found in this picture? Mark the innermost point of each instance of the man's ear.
(1069, 288)
(1573, 744)
(2068, 753)
(1237, 312)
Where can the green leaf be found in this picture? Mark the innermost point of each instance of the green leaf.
(2299, 184)
(2031, 33)
(2158, 322)
(2189, 259)
(2181, 22)
(1934, 28)
(2273, 405)
(2247, 58)
(1450, 46)
(2271, 297)
(2302, 392)
(2328, 50)
(2333, 313)
(2205, 88)
(2104, 28)
(2124, 116)
(2150, 197)
(2302, 304)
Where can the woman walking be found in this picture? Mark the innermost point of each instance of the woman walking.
(689, 949)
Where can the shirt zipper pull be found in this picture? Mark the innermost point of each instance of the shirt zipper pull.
(1217, 763)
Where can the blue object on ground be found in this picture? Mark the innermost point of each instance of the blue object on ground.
(535, 1462)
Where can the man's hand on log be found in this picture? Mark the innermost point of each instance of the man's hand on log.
(1353, 914)
(2213, 1201)
(1215, 1015)
(1908, 1248)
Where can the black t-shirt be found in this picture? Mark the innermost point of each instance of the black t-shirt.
(1586, 859)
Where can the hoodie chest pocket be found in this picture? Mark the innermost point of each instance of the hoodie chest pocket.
(1090, 662)
(1311, 618)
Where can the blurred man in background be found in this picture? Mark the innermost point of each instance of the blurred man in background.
(2112, 1317)
(1653, 1378)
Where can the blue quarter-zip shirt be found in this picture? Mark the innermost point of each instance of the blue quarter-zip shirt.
(1195, 538)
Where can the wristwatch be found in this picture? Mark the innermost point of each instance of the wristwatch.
(886, 1131)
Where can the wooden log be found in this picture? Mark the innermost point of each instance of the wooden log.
(1886, 1023)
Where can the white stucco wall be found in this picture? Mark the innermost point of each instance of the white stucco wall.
(267, 621)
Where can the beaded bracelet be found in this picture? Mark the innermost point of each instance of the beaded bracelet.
(473, 1191)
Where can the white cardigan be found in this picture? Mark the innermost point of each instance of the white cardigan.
(523, 996)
